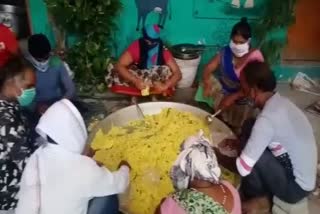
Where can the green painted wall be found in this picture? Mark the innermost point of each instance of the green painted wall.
(183, 27)
(191, 21)
(39, 19)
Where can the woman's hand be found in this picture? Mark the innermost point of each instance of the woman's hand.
(159, 88)
(226, 161)
(88, 151)
(229, 101)
(207, 74)
(140, 84)
(124, 163)
(207, 89)
(230, 146)
(226, 103)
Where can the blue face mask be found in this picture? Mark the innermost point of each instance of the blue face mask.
(27, 96)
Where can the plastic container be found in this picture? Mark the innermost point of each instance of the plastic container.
(189, 70)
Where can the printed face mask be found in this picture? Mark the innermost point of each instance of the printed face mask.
(27, 96)
(239, 50)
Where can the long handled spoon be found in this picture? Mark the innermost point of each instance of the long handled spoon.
(210, 117)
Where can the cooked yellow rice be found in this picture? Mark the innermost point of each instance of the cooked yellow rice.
(150, 146)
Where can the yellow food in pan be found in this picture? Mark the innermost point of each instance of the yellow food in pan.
(150, 146)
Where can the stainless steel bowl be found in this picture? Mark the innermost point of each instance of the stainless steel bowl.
(125, 115)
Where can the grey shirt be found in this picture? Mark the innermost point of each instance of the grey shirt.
(283, 123)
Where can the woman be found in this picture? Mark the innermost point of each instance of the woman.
(196, 178)
(231, 60)
(17, 82)
(59, 179)
(146, 63)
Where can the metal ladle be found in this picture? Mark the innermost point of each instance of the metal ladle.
(212, 116)
(139, 110)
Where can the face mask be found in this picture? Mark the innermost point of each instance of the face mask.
(239, 50)
(27, 96)
(41, 66)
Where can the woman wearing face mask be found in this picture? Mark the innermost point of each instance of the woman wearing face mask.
(231, 60)
(146, 64)
(17, 89)
(53, 80)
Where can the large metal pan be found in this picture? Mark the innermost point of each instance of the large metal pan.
(125, 115)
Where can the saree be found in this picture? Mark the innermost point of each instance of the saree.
(194, 202)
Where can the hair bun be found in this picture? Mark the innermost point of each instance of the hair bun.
(244, 20)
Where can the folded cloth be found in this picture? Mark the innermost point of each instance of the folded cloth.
(196, 160)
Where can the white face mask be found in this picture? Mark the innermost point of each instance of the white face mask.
(41, 66)
(239, 50)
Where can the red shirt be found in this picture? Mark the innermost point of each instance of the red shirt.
(134, 50)
(8, 44)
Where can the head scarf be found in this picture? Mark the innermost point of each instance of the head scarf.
(63, 134)
(150, 47)
(63, 125)
(151, 33)
(196, 160)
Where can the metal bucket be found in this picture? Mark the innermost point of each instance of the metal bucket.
(15, 18)
(186, 51)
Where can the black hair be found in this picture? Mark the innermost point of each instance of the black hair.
(39, 46)
(259, 74)
(242, 28)
(15, 66)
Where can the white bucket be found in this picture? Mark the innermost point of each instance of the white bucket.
(189, 70)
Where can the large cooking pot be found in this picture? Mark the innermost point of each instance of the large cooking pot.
(125, 115)
(15, 18)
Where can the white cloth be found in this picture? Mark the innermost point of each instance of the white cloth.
(57, 178)
(7, 212)
(196, 160)
(284, 123)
